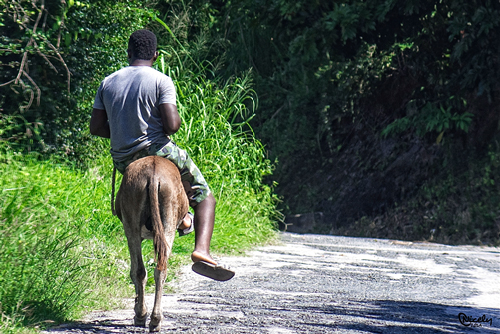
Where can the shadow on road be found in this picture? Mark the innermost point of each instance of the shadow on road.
(387, 316)
(380, 316)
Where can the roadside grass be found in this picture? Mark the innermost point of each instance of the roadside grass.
(57, 247)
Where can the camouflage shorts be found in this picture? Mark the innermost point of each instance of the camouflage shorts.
(196, 187)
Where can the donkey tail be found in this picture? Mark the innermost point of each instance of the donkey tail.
(159, 240)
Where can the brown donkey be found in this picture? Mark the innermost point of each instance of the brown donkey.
(151, 204)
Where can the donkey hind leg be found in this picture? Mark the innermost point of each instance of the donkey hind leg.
(156, 315)
(160, 275)
(138, 275)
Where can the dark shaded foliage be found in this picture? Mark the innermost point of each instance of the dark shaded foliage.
(365, 102)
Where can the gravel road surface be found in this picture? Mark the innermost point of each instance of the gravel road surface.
(329, 284)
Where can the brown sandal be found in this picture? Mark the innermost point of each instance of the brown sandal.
(216, 272)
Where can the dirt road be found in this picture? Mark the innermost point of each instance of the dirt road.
(329, 284)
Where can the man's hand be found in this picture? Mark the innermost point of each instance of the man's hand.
(170, 118)
(99, 125)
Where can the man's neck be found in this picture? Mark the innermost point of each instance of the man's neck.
(140, 62)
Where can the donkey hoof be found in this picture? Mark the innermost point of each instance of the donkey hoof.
(140, 321)
(155, 324)
(154, 327)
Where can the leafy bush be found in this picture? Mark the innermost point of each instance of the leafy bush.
(430, 119)
(49, 72)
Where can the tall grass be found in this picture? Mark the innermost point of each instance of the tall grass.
(216, 133)
(52, 248)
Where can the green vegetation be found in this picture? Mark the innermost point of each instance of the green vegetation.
(368, 103)
(49, 71)
(63, 252)
(57, 240)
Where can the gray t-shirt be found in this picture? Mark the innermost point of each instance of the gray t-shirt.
(131, 97)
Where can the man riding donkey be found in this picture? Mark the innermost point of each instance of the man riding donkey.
(136, 108)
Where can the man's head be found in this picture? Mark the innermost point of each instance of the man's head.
(142, 45)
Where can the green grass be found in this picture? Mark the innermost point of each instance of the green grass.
(55, 241)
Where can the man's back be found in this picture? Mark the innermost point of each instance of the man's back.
(131, 97)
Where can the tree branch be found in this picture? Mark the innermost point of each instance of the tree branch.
(45, 57)
(22, 18)
(7, 83)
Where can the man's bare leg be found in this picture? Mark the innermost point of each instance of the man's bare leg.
(204, 219)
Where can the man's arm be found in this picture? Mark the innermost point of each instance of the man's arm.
(170, 118)
(99, 125)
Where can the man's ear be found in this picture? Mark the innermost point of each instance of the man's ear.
(129, 54)
(157, 54)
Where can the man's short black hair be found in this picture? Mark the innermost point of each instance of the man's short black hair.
(142, 44)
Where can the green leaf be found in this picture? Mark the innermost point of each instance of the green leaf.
(67, 39)
(439, 138)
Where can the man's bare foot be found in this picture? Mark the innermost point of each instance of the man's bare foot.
(186, 222)
(198, 256)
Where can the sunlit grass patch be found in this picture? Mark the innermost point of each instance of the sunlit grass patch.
(52, 263)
